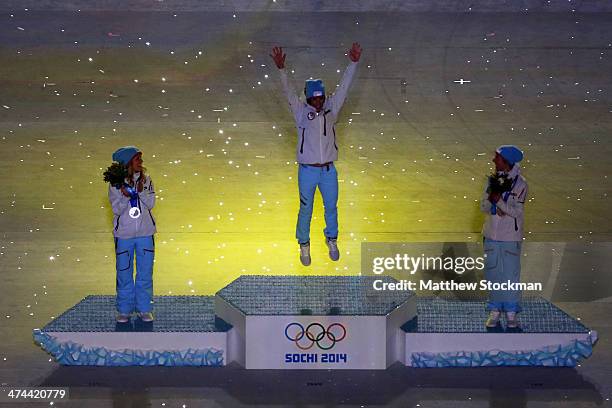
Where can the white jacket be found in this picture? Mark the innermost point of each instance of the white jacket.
(507, 227)
(316, 130)
(125, 226)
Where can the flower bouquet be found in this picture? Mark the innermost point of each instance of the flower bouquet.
(115, 174)
(499, 183)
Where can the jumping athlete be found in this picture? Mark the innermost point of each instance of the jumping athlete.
(317, 149)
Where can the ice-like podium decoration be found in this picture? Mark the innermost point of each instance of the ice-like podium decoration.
(314, 322)
(185, 332)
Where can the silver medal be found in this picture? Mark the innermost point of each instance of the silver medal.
(134, 212)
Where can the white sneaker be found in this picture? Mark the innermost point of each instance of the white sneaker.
(512, 320)
(493, 319)
(334, 252)
(305, 254)
(146, 316)
(123, 318)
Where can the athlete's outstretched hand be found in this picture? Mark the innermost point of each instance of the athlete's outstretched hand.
(355, 52)
(278, 57)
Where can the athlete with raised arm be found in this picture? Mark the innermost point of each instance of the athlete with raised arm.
(317, 149)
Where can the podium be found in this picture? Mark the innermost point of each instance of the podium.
(314, 322)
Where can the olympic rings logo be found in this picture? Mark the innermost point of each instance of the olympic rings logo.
(315, 333)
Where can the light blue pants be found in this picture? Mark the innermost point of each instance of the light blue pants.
(503, 264)
(326, 178)
(134, 295)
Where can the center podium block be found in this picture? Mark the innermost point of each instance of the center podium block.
(314, 322)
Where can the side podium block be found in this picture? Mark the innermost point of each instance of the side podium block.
(185, 333)
(451, 333)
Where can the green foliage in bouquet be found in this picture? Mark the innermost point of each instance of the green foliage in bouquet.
(499, 183)
(115, 174)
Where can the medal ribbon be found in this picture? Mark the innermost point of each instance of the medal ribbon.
(133, 195)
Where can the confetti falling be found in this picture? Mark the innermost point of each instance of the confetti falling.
(415, 137)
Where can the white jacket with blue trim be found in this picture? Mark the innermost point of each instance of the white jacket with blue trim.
(126, 227)
(507, 224)
(316, 130)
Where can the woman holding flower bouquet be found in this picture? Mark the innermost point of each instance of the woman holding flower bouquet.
(503, 202)
(132, 197)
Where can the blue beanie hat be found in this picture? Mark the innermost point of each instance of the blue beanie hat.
(510, 153)
(314, 87)
(123, 155)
